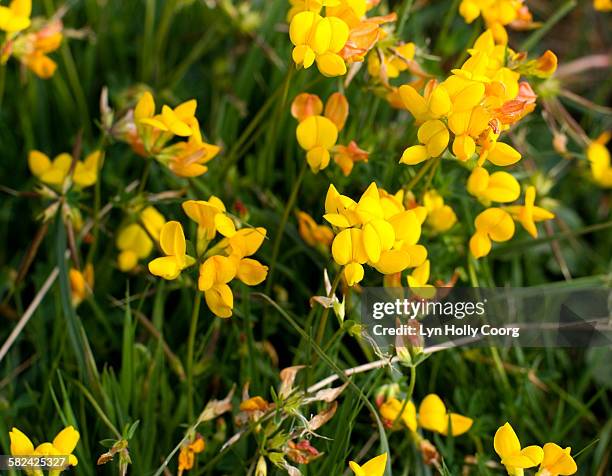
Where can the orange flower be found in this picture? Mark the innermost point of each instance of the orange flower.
(346, 156)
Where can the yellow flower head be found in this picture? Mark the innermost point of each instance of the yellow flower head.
(55, 172)
(557, 461)
(529, 214)
(513, 457)
(210, 216)
(440, 216)
(319, 39)
(391, 409)
(81, 283)
(136, 240)
(347, 156)
(63, 445)
(375, 230)
(375, 467)
(172, 242)
(16, 16)
(20, 443)
(602, 5)
(312, 233)
(499, 187)
(434, 416)
(494, 224)
(317, 134)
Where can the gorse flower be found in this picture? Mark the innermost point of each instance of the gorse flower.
(55, 172)
(513, 456)
(63, 445)
(376, 230)
(375, 467)
(221, 263)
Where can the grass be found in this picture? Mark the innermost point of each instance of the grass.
(134, 366)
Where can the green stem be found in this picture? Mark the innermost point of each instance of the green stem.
(408, 395)
(405, 13)
(191, 351)
(538, 34)
(283, 224)
(420, 174)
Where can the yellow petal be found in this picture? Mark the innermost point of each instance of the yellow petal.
(38, 162)
(66, 440)
(505, 442)
(353, 273)
(251, 272)
(413, 101)
(376, 466)
(220, 300)
(371, 243)
(331, 65)
(480, 244)
(392, 261)
(557, 460)
(414, 155)
(342, 247)
(459, 424)
(20, 443)
(167, 267)
(432, 413)
(503, 155)
(145, 107)
(172, 239)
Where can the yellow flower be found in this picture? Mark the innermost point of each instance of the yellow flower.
(434, 104)
(305, 105)
(440, 217)
(375, 467)
(211, 218)
(499, 187)
(172, 242)
(467, 125)
(347, 156)
(494, 224)
(54, 172)
(557, 461)
(319, 39)
(135, 242)
(377, 230)
(513, 457)
(391, 409)
(313, 233)
(602, 5)
(433, 416)
(529, 214)
(16, 16)
(63, 445)
(32, 48)
(178, 121)
(434, 136)
(599, 160)
(81, 283)
(395, 61)
(187, 158)
(219, 269)
(189, 450)
(417, 281)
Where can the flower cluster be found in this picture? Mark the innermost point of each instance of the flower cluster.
(55, 172)
(318, 130)
(221, 263)
(497, 14)
(29, 40)
(344, 35)
(150, 133)
(552, 459)
(62, 445)
(377, 230)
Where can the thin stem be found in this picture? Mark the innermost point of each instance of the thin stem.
(191, 350)
(325, 314)
(408, 395)
(420, 174)
(283, 223)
